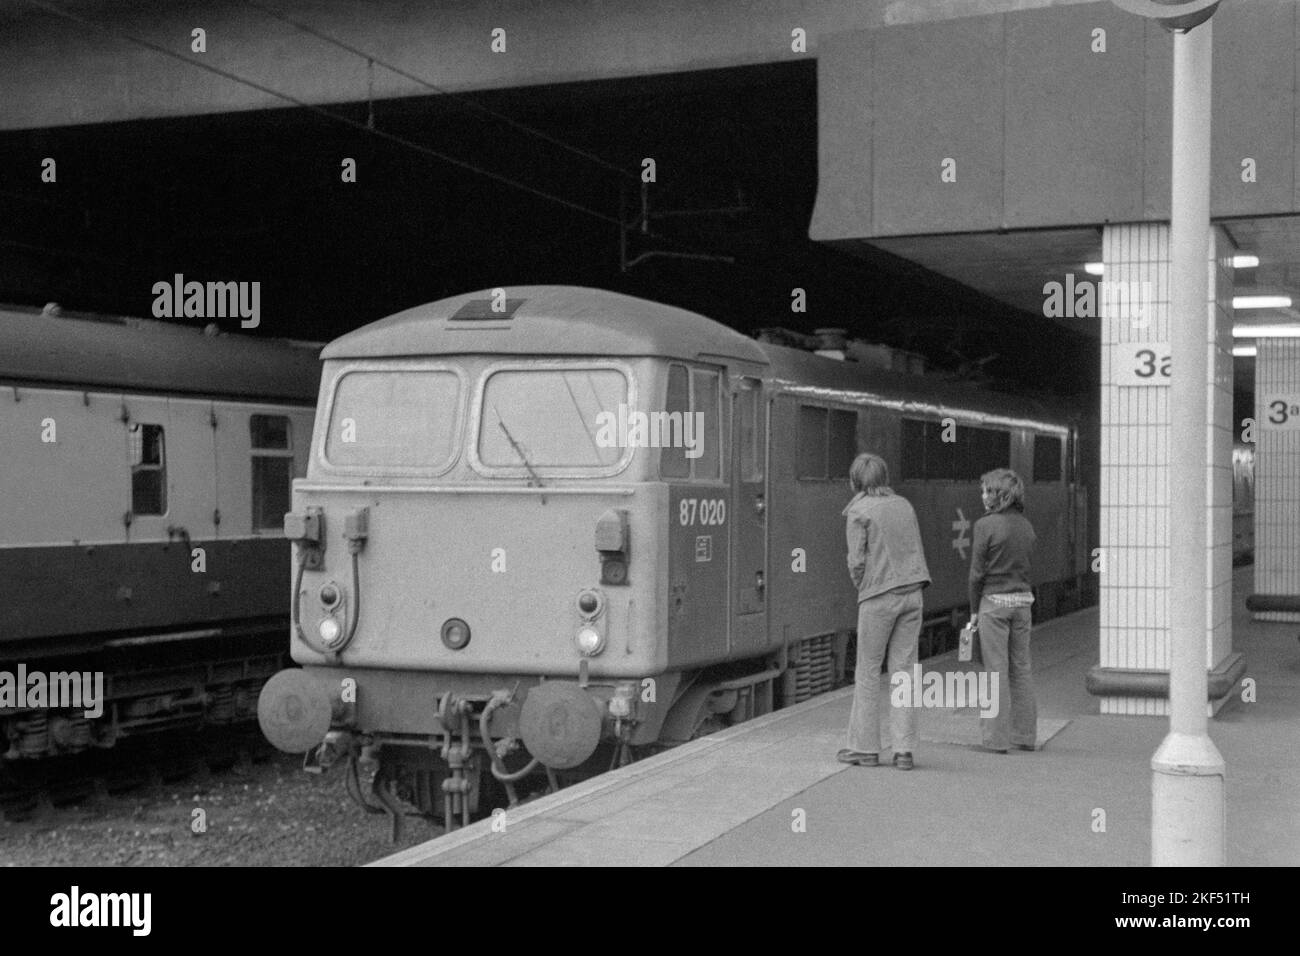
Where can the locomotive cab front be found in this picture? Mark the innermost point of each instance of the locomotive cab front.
(479, 548)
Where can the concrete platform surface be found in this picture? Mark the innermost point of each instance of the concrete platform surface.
(769, 792)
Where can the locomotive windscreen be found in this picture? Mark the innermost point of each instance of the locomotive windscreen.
(399, 418)
(551, 417)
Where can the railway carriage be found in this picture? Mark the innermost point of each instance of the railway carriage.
(544, 527)
(144, 475)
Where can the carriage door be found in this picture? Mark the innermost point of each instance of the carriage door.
(748, 516)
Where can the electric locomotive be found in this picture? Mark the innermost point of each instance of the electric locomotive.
(544, 528)
(144, 476)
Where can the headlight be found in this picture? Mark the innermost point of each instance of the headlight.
(590, 641)
(330, 631)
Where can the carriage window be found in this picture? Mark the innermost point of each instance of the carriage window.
(812, 442)
(749, 412)
(843, 442)
(555, 418)
(272, 455)
(402, 419)
(1047, 458)
(148, 470)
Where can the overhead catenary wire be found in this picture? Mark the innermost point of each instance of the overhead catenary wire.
(367, 128)
(321, 111)
(453, 96)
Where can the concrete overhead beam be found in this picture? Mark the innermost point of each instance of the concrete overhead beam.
(60, 73)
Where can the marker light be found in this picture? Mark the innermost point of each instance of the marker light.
(1244, 351)
(1245, 261)
(590, 641)
(1094, 268)
(589, 603)
(330, 631)
(329, 595)
(455, 633)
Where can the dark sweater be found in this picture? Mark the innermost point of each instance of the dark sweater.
(1000, 552)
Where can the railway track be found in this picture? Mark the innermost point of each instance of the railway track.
(35, 791)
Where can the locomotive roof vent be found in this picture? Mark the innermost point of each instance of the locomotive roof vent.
(831, 343)
(487, 310)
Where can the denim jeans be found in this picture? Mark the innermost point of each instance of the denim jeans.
(888, 623)
(1004, 644)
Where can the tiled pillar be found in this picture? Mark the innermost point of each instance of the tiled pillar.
(1277, 481)
(1134, 494)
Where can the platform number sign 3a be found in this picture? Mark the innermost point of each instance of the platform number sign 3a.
(1282, 412)
(1141, 363)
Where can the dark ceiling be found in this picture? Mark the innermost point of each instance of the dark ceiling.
(258, 197)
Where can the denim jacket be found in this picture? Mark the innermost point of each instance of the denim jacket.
(884, 541)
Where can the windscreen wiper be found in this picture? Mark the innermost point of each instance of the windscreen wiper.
(532, 472)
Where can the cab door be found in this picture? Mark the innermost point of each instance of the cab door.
(748, 517)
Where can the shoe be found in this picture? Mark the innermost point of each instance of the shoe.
(858, 759)
(903, 761)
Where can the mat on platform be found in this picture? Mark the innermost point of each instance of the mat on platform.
(963, 727)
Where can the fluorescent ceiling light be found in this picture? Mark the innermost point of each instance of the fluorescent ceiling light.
(1245, 261)
(1094, 268)
(1266, 331)
(1261, 302)
(1244, 351)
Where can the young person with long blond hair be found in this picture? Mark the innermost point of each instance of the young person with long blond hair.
(1000, 595)
(887, 565)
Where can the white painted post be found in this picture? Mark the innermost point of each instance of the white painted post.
(1187, 787)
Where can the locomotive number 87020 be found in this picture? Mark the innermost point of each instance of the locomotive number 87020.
(544, 530)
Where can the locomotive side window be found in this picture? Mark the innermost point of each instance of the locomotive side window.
(705, 399)
(988, 448)
(673, 462)
(971, 452)
(943, 459)
(694, 393)
(1047, 458)
(272, 462)
(395, 418)
(148, 470)
(748, 418)
(843, 442)
(552, 418)
(913, 449)
(812, 442)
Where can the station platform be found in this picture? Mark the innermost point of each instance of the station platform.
(769, 791)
